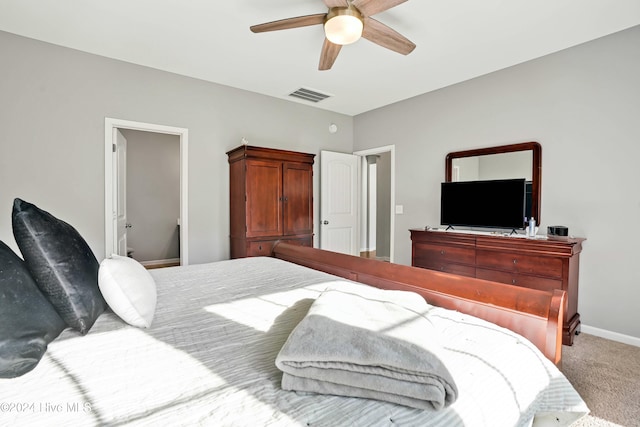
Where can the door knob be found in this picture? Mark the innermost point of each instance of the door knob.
(325, 222)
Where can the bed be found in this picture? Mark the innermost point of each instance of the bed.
(208, 358)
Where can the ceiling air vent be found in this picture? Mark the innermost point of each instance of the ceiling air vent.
(309, 95)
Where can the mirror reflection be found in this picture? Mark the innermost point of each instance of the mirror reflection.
(523, 160)
(493, 166)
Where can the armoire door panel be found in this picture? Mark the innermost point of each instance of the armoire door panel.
(264, 183)
(298, 198)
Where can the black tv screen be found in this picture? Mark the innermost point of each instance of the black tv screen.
(494, 203)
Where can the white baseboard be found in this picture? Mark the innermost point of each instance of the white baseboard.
(613, 336)
(160, 262)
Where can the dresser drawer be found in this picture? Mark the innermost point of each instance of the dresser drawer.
(462, 270)
(533, 282)
(543, 266)
(444, 254)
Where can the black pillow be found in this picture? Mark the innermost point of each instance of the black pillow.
(61, 263)
(28, 321)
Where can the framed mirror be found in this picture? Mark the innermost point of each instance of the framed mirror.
(523, 160)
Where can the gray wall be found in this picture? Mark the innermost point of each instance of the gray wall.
(583, 106)
(153, 195)
(506, 165)
(383, 199)
(53, 104)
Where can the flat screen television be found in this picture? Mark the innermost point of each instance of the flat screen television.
(493, 204)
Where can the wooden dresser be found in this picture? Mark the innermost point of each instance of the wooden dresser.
(271, 199)
(544, 264)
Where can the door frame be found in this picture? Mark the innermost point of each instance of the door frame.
(391, 149)
(110, 124)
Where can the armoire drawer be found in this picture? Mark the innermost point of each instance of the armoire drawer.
(304, 241)
(513, 262)
(261, 248)
(533, 282)
(264, 247)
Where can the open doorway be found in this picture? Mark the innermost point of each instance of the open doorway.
(377, 200)
(153, 158)
(153, 198)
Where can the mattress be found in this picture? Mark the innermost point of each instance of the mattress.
(208, 359)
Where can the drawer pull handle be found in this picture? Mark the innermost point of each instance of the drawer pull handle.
(513, 281)
(442, 252)
(515, 261)
(260, 247)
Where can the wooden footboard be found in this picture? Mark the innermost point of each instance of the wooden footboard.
(536, 315)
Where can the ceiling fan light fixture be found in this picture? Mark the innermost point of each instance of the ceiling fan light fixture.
(343, 25)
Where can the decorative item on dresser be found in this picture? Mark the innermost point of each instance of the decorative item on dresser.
(544, 264)
(271, 199)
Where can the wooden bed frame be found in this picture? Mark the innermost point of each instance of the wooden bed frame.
(534, 314)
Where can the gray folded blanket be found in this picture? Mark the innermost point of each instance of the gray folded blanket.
(366, 342)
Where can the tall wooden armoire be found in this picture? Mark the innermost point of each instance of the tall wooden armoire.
(271, 199)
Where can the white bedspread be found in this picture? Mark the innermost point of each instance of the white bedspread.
(209, 359)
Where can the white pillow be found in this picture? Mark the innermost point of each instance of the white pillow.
(129, 290)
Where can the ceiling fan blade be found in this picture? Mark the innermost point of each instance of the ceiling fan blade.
(335, 3)
(380, 34)
(371, 7)
(328, 55)
(285, 24)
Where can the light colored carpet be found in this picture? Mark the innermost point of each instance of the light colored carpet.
(591, 421)
(607, 376)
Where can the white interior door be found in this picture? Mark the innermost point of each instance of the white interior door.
(120, 196)
(339, 202)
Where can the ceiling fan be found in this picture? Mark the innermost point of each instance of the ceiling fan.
(344, 23)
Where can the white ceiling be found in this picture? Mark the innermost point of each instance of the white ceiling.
(210, 40)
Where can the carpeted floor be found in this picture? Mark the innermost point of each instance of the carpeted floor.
(591, 421)
(607, 376)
